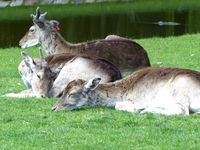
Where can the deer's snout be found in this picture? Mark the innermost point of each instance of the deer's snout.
(20, 43)
(41, 96)
(53, 108)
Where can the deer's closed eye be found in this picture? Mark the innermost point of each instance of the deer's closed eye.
(38, 76)
(31, 30)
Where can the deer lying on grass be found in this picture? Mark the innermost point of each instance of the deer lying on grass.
(120, 51)
(168, 91)
(49, 77)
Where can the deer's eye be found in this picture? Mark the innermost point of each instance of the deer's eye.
(34, 62)
(31, 30)
(71, 94)
(39, 76)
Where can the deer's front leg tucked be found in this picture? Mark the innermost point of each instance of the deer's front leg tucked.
(23, 94)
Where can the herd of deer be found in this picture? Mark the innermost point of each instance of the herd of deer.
(80, 74)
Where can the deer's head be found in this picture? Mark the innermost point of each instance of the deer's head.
(39, 30)
(76, 94)
(42, 76)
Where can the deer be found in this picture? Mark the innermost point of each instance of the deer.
(122, 52)
(165, 90)
(47, 77)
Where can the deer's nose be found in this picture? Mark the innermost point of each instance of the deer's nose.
(53, 108)
(20, 43)
(43, 96)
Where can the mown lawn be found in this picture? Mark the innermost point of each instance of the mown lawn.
(30, 124)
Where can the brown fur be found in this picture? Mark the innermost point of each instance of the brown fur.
(57, 59)
(169, 91)
(59, 68)
(123, 52)
(111, 69)
(158, 74)
(72, 83)
(162, 73)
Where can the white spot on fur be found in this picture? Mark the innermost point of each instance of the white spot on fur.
(92, 84)
(125, 106)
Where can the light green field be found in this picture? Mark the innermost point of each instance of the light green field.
(30, 124)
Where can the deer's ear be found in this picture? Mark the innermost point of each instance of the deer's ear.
(55, 24)
(43, 61)
(92, 84)
(40, 24)
(38, 18)
(28, 60)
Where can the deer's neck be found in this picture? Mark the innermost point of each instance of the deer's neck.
(110, 93)
(54, 43)
(105, 96)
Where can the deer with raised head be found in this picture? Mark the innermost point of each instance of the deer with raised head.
(48, 77)
(167, 91)
(124, 53)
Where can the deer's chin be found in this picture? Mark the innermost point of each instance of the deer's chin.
(30, 44)
(41, 96)
(24, 46)
(56, 109)
(70, 108)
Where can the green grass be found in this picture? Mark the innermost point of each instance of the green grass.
(62, 11)
(30, 124)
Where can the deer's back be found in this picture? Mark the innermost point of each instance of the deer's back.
(93, 63)
(165, 86)
(123, 53)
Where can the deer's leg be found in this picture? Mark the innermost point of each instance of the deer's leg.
(195, 107)
(173, 109)
(22, 94)
(126, 106)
